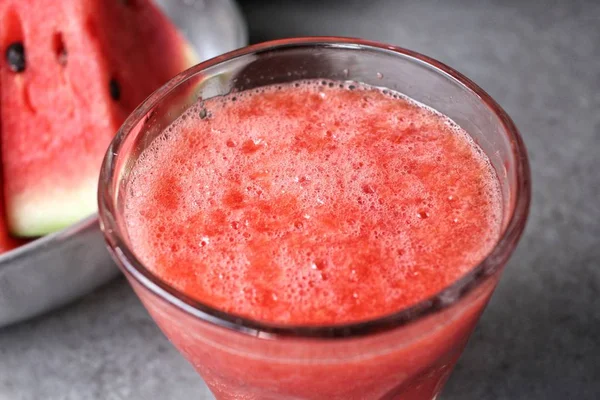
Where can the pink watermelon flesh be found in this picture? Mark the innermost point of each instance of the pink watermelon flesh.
(88, 64)
(6, 241)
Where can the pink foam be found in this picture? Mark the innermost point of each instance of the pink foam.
(312, 203)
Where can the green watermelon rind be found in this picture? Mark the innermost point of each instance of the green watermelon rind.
(59, 210)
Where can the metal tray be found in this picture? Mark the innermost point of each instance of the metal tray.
(58, 268)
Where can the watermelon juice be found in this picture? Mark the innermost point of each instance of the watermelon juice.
(304, 236)
(310, 204)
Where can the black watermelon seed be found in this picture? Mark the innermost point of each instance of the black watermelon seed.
(59, 48)
(15, 56)
(115, 89)
(204, 113)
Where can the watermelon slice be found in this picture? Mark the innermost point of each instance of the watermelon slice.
(71, 71)
(7, 242)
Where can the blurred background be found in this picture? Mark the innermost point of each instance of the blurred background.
(540, 336)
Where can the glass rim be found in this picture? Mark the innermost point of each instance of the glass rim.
(444, 298)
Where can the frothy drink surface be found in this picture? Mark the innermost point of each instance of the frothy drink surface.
(312, 203)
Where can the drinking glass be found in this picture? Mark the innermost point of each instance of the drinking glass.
(407, 355)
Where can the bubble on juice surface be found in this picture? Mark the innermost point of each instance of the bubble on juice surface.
(290, 200)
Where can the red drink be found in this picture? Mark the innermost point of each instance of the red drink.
(311, 204)
(312, 240)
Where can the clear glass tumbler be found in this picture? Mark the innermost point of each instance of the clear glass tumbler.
(407, 355)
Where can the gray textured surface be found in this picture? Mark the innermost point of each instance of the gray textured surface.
(540, 336)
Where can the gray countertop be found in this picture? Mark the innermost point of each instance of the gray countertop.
(540, 336)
